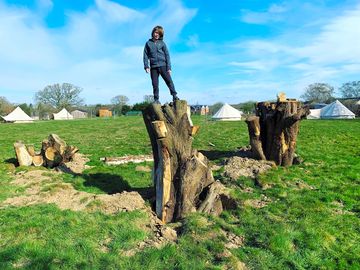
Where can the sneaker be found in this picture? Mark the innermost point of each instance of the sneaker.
(156, 101)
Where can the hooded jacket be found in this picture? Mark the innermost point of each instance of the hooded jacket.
(157, 53)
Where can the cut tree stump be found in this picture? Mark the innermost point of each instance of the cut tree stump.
(182, 176)
(274, 129)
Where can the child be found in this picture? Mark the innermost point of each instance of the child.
(157, 53)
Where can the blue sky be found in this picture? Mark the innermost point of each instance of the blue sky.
(229, 51)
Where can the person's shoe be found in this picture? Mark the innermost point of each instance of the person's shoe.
(156, 101)
(175, 98)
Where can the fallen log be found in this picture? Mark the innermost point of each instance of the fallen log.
(22, 155)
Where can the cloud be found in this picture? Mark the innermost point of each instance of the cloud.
(99, 49)
(274, 13)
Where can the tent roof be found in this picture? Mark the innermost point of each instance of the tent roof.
(336, 110)
(17, 115)
(314, 114)
(227, 112)
(63, 114)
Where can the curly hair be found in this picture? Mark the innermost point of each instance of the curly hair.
(160, 30)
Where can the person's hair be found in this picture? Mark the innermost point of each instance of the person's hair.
(160, 31)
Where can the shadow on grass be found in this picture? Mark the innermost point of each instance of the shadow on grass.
(112, 183)
(12, 161)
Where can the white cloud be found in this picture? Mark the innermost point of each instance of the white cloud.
(99, 50)
(273, 14)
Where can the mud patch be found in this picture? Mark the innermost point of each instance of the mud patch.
(46, 187)
(160, 235)
(236, 167)
(76, 166)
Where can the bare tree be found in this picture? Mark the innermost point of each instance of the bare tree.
(350, 89)
(59, 96)
(119, 102)
(5, 106)
(318, 92)
(149, 98)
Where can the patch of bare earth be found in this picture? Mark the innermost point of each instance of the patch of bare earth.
(236, 167)
(44, 186)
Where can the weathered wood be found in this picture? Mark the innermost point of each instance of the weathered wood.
(54, 151)
(38, 160)
(254, 135)
(31, 150)
(181, 174)
(274, 130)
(22, 155)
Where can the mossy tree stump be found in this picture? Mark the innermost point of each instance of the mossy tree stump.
(274, 129)
(182, 176)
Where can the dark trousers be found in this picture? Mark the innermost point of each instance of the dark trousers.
(154, 73)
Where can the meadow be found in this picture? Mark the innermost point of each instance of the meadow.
(300, 228)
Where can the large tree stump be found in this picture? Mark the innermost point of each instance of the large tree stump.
(182, 177)
(274, 129)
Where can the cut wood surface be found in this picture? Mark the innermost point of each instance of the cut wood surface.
(22, 155)
(54, 151)
(182, 176)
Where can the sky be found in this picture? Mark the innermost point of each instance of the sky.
(221, 51)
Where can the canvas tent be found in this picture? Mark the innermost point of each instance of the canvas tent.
(62, 115)
(314, 114)
(227, 113)
(336, 110)
(18, 116)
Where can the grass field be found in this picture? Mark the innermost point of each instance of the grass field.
(301, 228)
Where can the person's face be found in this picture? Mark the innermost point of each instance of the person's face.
(156, 35)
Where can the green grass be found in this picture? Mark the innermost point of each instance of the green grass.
(299, 229)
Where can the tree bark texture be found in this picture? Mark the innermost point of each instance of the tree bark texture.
(274, 129)
(182, 176)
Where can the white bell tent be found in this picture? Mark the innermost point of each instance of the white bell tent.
(63, 115)
(227, 113)
(336, 110)
(18, 116)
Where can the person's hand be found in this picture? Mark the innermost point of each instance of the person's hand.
(169, 71)
(147, 70)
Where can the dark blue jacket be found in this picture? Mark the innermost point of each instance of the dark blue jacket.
(157, 53)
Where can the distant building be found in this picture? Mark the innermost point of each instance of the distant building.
(199, 109)
(77, 114)
(104, 112)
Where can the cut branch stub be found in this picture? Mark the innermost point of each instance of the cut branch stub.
(273, 132)
(181, 174)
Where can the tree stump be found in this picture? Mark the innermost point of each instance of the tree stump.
(182, 176)
(274, 129)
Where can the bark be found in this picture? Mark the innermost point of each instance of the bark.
(182, 176)
(273, 132)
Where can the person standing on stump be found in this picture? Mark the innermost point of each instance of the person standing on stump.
(156, 52)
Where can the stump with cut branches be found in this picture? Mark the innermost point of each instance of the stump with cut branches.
(274, 129)
(182, 176)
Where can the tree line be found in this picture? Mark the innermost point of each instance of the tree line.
(66, 95)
